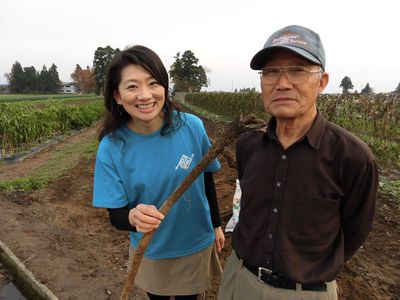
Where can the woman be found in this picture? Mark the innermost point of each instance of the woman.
(147, 147)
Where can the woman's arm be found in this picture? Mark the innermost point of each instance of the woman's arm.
(119, 218)
(211, 195)
(142, 218)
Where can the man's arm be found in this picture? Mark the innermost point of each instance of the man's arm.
(358, 209)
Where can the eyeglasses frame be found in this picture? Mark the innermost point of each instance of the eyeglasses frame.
(285, 69)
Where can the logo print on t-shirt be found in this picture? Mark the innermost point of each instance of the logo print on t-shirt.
(184, 162)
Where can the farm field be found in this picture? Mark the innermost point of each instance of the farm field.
(72, 248)
(37, 97)
(26, 121)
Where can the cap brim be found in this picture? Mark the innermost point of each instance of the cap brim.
(259, 60)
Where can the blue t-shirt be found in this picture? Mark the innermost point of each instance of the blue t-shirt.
(147, 169)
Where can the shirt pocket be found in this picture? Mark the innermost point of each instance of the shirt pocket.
(314, 221)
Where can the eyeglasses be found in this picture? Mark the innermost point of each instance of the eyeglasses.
(296, 74)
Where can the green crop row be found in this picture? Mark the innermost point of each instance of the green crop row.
(22, 124)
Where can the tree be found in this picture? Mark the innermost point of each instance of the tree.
(43, 82)
(16, 78)
(367, 90)
(77, 78)
(84, 79)
(28, 80)
(101, 61)
(346, 85)
(397, 90)
(55, 82)
(186, 75)
(31, 77)
(247, 90)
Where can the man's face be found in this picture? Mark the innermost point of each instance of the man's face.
(286, 100)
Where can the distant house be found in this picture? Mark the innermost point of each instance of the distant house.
(68, 88)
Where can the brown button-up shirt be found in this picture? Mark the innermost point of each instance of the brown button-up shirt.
(306, 209)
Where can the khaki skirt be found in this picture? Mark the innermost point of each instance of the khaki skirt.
(186, 275)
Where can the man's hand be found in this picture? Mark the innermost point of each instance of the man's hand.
(145, 218)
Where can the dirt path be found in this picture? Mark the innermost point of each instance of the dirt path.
(71, 247)
(34, 161)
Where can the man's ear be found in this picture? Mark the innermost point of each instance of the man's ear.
(323, 82)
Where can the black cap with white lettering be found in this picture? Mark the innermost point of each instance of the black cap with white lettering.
(298, 39)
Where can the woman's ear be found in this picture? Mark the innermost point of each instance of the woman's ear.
(117, 97)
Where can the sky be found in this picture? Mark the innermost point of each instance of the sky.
(361, 38)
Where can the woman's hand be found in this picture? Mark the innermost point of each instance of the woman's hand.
(145, 218)
(219, 238)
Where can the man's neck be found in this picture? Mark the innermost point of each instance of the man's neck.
(289, 131)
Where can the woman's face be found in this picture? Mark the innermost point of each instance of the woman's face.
(142, 97)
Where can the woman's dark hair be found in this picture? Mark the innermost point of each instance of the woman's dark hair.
(147, 59)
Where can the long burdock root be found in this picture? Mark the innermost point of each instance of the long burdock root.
(237, 126)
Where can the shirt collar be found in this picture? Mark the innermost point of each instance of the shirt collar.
(314, 135)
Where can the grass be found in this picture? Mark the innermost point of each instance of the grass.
(64, 160)
(391, 187)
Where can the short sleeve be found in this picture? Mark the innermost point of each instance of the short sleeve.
(108, 190)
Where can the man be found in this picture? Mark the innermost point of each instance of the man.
(308, 186)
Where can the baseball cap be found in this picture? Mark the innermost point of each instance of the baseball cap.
(298, 39)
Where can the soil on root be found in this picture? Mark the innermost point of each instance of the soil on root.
(72, 248)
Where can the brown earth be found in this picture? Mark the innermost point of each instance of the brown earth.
(72, 248)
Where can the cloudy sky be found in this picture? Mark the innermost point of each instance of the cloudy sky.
(361, 39)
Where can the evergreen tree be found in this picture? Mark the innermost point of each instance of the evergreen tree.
(44, 85)
(16, 78)
(367, 90)
(101, 61)
(55, 83)
(346, 85)
(30, 79)
(186, 75)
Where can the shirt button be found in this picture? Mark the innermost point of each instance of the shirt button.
(278, 184)
(270, 236)
(275, 210)
(283, 156)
